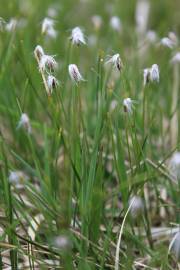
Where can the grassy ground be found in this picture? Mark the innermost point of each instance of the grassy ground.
(90, 186)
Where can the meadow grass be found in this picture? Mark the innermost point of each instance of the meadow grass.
(87, 180)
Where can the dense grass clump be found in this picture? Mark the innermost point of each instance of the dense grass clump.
(89, 134)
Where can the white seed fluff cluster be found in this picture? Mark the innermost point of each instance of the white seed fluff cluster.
(74, 73)
(48, 28)
(174, 165)
(24, 122)
(137, 206)
(167, 42)
(128, 105)
(77, 36)
(97, 22)
(115, 23)
(47, 64)
(176, 58)
(151, 74)
(116, 61)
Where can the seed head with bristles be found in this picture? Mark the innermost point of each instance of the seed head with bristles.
(128, 105)
(167, 42)
(52, 83)
(15, 177)
(154, 73)
(174, 165)
(75, 74)
(38, 52)
(24, 122)
(116, 61)
(151, 36)
(62, 242)
(151, 74)
(11, 25)
(176, 58)
(97, 21)
(47, 62)
(115, 23)
(77, 36)
(146, 75)
(137, 206)
(48, 27)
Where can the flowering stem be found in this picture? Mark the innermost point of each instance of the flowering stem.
(42, 75)
(99, 83)
(174, 119)
(144, 112)
(127, 141)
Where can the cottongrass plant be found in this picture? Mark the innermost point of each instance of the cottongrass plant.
(46, 64)
(167, 42)
(174, 125)
(48, 28)
(116, 61)
(89, 177)
(24, 122)
(128, 105)
(97, 22)
(115, 23)
(74, 73)
(77, 36)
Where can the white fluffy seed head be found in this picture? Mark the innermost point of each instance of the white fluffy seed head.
(97, 21)
(74, 73)
(38, 51)
(174, 165)
(24, 122)
(128, 105)
(115, 23)
(146, 75)
(11, 25)
(174, 245)
(151, 36)
(113, 105)
(48, 28)
(14, 177)
(151, 74)
(176, 58)
(47, 62)
(116, 61)
(154, 73)
(47, 24)
(17, 177)
(137, 206)
(77, 36)
(52, 83)
(173, 37)
(167, 42)
(62, 242)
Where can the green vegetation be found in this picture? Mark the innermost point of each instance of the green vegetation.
(89, 162)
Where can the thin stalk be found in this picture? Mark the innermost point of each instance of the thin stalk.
(144, 112)
(42, 74)
(174, 120)
(127, 141)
